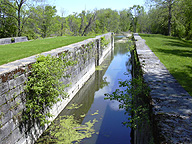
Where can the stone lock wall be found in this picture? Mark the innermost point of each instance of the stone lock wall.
(13, 77)
(13, 40)
(171, 104)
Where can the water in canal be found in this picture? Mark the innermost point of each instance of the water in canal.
(109, 128)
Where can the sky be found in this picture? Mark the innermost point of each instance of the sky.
(70, 6)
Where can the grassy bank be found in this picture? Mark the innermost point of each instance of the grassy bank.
(12, 52)
(175, 54)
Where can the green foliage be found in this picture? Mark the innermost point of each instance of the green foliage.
(128, 101)
(41, 21)
(12, 40)
(15, 9)
(107, 21)
(137, 10)
(7, 24)
(168, 17)
(125, 20)
(44, 87)
(104, 42)
(175, 54)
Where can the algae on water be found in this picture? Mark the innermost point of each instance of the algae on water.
(95, 113)
(67, 130)
(74, 106)
(100, 67)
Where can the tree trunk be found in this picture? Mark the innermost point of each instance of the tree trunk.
(91, 20)
(62, 29)
(19, 22)
(169, 17)
(82, 25)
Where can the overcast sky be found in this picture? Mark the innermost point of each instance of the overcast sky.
(71, 6)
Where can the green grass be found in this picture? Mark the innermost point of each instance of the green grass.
(175, 54)
(12, 52)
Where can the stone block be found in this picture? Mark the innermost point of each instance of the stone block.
(2, 99)
(22, 140)
(6, 129)
(17, 109)
(22, 88)
(12, 83)
(13, 137)
(4, 87)
(13, 93)
(6, 117)
(21, 79)
(5, 41)
(20, 39)
(5, 108)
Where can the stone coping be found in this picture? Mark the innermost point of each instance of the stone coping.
(172, 105)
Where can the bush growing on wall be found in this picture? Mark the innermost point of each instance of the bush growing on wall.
(44, 88)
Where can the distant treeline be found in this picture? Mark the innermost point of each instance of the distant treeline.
(34, 19)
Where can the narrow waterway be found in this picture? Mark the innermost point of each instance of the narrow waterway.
(109, 128)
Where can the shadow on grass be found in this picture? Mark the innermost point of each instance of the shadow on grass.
(178, 52)
(180, 44)
(184, 78)
(175, 45)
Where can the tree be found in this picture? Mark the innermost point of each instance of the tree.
(7, 24)
(156, 21)
(62, 20)
(169, 6)
(107, 20)
(187, 8)
(136, 10)
(18, 7)
(48, 13)
(83, 21)
(41, 20)
(91, 19)
(73, 21)
(143, 22)
(125, 20)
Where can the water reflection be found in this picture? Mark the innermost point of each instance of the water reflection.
(110, 127)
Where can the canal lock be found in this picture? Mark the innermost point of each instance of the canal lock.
(108, 123)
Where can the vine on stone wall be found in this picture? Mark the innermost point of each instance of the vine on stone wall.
(104, 42)
(44, 87)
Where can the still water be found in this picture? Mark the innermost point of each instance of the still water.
(109, 128)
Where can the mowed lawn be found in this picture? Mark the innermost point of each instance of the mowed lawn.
(12, 52)
(175, 54)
